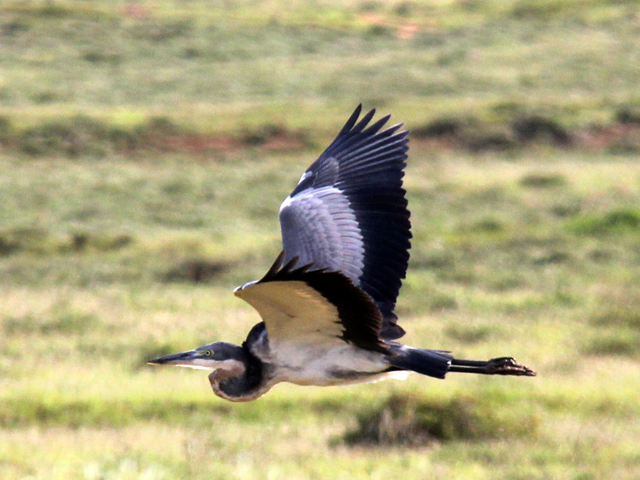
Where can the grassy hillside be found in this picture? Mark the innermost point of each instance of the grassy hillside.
(220, 65)
(146, 149)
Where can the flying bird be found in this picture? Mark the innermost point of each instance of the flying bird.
(327, 303)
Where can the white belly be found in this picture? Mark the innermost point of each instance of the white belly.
(326, 364)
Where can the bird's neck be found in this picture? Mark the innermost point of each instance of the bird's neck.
(242, 383)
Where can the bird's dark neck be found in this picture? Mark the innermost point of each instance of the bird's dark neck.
(249, 383)
(245, 385)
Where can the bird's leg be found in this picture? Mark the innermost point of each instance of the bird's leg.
(495, 366)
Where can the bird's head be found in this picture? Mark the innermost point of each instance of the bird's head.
(235, 375)
(214, 356)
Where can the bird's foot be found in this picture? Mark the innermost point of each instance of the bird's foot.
(495, 366)
(507, 366)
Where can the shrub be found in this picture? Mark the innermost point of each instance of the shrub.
(543, 180)
(619, 220)
(411, 420)
(78, 136)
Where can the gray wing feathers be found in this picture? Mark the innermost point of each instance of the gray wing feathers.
(319, 228)
(349, 213)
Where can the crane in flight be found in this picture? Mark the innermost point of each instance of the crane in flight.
(327, 303)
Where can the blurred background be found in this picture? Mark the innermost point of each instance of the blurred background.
(145, 148)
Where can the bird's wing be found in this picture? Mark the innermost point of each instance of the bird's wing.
(307, 306)
(349, 213)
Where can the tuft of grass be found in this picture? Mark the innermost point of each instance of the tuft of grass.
(621, 316)
(40, 241)
(196, 271)
(470, 334)
(412, 420)
(620, 342)
(439, 301)
(77, 413)
(66, 323)
(99, 242)
(6, 128)
(439, 128)
(74, 137)
(23, 239)
(163, 30)
(60, 320)
(488, 226)
(616, 221)
(539, 128)
(543, 180)
(274, 136)
(553, 257)
(83, 136)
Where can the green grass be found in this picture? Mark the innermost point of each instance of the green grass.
(78, 324)
(139, 145)
(214, 67)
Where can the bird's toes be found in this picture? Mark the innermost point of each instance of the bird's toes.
(508, 366)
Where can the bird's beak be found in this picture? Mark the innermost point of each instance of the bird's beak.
(172, 359)
(182, 359)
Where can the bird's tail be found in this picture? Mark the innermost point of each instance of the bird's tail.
(433, 363)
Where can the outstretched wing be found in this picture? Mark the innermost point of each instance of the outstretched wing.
(349, 212)
(313, 307)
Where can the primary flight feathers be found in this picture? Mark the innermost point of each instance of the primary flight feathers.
(349, 212)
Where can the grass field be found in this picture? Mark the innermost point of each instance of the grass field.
(146, 149)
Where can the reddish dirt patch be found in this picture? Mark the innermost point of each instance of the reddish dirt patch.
(194, 143)
(275, 140)
(620, 137)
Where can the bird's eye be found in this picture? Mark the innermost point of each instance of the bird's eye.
(208, 353)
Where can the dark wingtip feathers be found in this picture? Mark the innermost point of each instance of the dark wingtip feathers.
(364, 121)
(352, 120)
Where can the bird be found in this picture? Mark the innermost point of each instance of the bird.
(327, 302)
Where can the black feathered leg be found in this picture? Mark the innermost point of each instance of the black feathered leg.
(495, 366)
